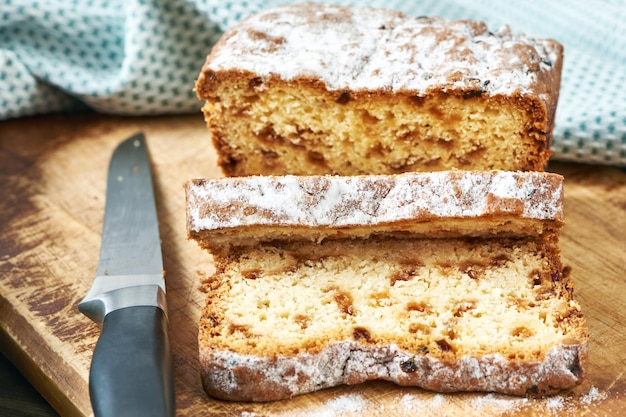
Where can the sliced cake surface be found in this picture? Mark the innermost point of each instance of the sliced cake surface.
(443, 314)
(314, 89)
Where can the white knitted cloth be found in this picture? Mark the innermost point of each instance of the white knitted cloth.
(142, 57)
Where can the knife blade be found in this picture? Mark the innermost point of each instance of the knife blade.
(131, 368)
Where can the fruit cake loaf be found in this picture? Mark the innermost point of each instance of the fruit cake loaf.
(319, 89)
(245, 210)
(292, 314)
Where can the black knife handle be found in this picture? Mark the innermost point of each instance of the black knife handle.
(131, 369)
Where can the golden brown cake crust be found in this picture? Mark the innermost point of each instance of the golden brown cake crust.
(360, 62)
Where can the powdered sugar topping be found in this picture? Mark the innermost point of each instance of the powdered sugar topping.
(418, 402)
(337, 201)
(361, 48)
(346, 362)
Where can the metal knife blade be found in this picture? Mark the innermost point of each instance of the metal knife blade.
(131, 368)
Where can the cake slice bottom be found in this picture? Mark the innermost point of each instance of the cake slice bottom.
(447, 314)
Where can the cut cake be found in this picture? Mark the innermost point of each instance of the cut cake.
(331, 289)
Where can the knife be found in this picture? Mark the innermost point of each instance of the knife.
(131, 369)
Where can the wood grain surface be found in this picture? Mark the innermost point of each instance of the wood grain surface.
(52, 180)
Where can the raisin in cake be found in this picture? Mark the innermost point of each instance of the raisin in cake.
(307, 308)
(318, 89)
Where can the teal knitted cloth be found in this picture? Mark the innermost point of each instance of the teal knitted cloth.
(138, 57)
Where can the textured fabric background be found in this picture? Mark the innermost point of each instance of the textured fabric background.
(142, 57)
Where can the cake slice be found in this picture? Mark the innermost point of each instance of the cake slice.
(240, 211)
(338, 288)
(324, 89)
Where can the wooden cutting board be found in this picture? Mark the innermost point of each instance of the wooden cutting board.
(52, 182)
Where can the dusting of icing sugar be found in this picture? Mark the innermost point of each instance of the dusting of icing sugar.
(347, 361)
(337, 43)
(498, 402)
(362, 48)
(592, 396)
(555, 403)
(550, 196)
(366, 200)
(421, 402)
(414, 402)
(481, 404)
(342, 405)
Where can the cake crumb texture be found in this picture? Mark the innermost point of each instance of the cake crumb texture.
(442, 314)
